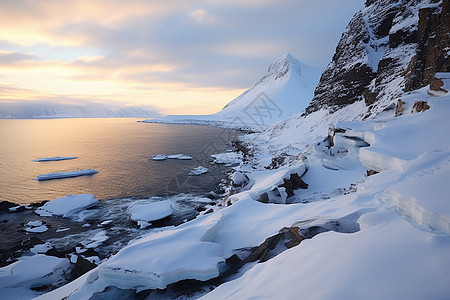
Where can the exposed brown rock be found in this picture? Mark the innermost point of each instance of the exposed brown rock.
(296, 237)
(436, 84)
(353, 75)
(433, 38)
(276, 162)
(371, 172)
(420, 106)
(289, 236)
(399, 109)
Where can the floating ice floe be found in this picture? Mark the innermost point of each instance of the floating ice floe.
(36, 227)
(173, 156)
(55, 158)
(58, 175)
(179, 156)
(69, 206)
(199, 171)
(159, 157)
(145, 213)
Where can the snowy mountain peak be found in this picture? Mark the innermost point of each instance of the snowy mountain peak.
(282, 67)
(286, 88)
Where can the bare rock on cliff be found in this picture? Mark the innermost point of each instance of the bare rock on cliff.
(388, 44)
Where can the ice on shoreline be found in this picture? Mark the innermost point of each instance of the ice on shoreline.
(36, 227)
(199, 171)
(59, 175)
(227, 158)
(68, 206)
(54, 158)
(145, 213)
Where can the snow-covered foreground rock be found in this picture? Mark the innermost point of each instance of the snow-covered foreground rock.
(70, 206)
(287, 87)
(38, 270)
(60, 175)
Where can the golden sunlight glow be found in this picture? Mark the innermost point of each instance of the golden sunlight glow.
(55, 52)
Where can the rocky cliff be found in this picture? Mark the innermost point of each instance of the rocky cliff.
(388, 44)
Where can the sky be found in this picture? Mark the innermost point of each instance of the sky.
(176, 57)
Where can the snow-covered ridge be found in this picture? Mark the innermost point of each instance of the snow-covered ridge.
(287, 87)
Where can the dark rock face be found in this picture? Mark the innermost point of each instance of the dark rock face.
(433, 38)
(81, 267)
(387, 44)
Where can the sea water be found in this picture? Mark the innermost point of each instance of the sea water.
(119, 149)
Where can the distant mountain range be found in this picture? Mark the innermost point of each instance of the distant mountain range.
(39, 110)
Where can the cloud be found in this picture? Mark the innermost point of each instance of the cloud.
(114, 49)
(201, 16)
(12, 57)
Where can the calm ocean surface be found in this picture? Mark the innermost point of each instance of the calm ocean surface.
(118, 148)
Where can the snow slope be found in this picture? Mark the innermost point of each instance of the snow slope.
(386, 236)
(403, 245)
(287, 87)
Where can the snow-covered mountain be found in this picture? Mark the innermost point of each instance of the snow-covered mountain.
(286, 88)
(39, 110)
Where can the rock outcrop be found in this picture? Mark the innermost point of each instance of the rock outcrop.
(388, 44)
